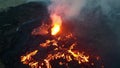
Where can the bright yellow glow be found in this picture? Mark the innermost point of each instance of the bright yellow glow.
(56, 23)
(55, 29)
(60, 51)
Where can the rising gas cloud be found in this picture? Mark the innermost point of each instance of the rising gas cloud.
(66, 8)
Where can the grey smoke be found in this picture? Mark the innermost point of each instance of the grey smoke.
(72, 8)
(66, 8)
(106, 5)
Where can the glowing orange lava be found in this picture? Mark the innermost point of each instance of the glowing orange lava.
(28, 57)
(56, 23)
(62, 47)
(59, 52)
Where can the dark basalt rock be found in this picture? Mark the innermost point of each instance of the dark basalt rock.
(16, 25)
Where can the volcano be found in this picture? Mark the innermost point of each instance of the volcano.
(39, 41)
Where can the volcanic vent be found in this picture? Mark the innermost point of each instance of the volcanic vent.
(59, 48)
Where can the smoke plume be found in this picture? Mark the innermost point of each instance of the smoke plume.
(66, 8)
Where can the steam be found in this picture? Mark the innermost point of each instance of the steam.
(72, 8)
(66, 8)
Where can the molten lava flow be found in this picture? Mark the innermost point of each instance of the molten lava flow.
(28, 57)
(60, 51)
(56, 23)
(58, 48)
